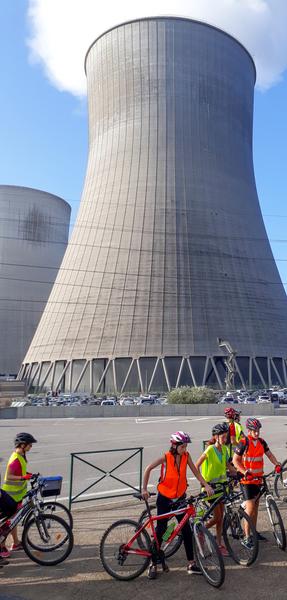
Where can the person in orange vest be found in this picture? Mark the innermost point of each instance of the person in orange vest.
(171, 488)
(15, 479)
(248, 459)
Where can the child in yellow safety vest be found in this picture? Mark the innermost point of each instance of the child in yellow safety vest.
(15, 480)
(214, 463)
(172, 486)
(235, 429)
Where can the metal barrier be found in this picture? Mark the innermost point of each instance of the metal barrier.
(77, 456)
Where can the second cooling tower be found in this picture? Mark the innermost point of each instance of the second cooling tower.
(169, 251)
(34, 228)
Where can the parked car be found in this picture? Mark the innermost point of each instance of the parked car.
(127, 402)
(109, 402)
(263, 399)
(228, 400)
(250, 400)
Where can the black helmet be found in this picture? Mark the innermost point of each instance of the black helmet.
(24, 438)
(220, 428)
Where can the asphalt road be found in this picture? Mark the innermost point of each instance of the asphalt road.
(58, 438)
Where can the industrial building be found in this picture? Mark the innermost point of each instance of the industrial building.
(169, 252)
(34, 229)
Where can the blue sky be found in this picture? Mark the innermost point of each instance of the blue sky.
(44, 131)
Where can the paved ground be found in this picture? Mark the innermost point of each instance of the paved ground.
(58, 438)
(82, 577)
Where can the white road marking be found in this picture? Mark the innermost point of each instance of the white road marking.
(112, 491)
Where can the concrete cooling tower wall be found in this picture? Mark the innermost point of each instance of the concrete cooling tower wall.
(34, 228)
(169, 251)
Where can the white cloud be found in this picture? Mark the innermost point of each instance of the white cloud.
(62, 30)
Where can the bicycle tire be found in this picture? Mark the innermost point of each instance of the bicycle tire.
(110, 550)
(174, 546)
(276, 521)
(40, 552)
(233, 532)
(207, 553)
(50, 508)
(280, 484)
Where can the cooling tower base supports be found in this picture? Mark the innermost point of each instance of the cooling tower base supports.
(146, 374)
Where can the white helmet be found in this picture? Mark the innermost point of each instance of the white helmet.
(180, 437)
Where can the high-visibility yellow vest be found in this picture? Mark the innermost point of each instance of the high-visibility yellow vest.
(238, 431)
(16, 489)
(214, 468)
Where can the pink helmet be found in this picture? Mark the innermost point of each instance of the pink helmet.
(179, 437)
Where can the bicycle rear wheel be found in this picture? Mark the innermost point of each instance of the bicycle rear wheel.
(174, 546)
(208, 556)
(47, 539)
(280, 485)
(276, 523)
(236, 524)
(118, 563)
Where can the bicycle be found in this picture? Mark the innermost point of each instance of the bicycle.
(235, 523)
(273, 512)
(47, 539)
(126, 548)
(280, 483)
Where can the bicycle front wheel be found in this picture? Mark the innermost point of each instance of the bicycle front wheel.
(208, 556)
(276, 523)
(240, 537)
(120, 563)
(47, 539)
(280, 485)
(174, 546)
(54, 508)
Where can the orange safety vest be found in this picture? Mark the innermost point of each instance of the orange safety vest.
(173, 482)
(253, 460)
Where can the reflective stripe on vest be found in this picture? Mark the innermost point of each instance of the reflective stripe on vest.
(213, 469)
(173, 481)
(16, 489)
(253, 460)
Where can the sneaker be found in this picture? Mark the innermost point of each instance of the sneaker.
(223, 550)
(193, 569)
(4, 552)
(3, 562)
(261, 537)
(152, 572)
(165, 568)
(248, 543)
(17, 547)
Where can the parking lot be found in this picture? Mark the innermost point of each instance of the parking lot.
(82, 576)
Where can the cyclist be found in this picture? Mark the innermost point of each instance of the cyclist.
(171, 488)
(248, 459)
(235, 430)
(215, 462)
(16, 476)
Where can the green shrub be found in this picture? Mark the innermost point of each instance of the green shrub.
(192, 395)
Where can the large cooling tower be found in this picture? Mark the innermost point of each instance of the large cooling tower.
(169, 251)
(34, 227)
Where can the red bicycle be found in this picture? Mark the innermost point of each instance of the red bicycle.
(126, 549)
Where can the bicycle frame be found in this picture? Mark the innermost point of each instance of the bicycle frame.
(30, 503)
(190, 513)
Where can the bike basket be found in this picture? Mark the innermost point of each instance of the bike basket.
(50, 486)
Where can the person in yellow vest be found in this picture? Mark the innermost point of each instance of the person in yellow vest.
(214, 463)
(235, 429)
(16, 476)
(171, 488)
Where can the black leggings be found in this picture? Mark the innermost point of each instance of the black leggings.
(165, 505)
